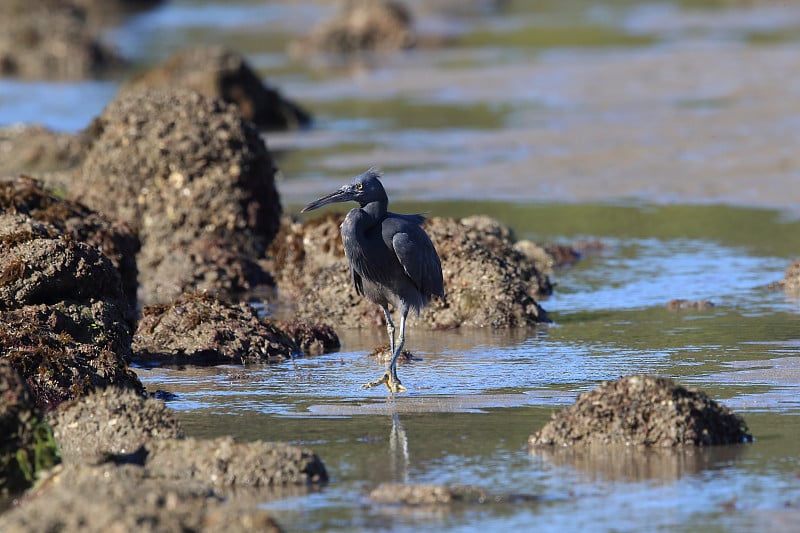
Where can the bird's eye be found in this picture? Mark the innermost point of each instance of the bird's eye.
(359, 186)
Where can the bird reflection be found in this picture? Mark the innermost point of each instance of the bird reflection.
(398, 451)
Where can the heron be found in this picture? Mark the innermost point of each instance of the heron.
(392, 259)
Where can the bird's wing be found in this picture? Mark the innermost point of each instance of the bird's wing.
(357, 283)
(416, 253)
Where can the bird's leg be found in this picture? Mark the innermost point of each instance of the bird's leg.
(393, 383)
(389, 328)
(390, 378)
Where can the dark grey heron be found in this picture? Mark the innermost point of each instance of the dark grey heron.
(392, 259)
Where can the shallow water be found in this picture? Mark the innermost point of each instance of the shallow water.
(653, 127)
(476, 395)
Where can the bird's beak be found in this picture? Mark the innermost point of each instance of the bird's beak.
(341, 195)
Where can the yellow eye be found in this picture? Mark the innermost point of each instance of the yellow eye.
(359, 186)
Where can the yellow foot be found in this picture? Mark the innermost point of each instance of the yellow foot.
(392, 384)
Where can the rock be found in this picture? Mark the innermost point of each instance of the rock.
(313, 339)
(642, 411)
(96, 499)
(683, 305)
(361, 26)
(543, 259)
(224, 74)
(40, 270)
(111, 13)
(112, 421)
(562, 254)
(200, 329)
(791, 280)
(63, 314)
(208, 265)
(116, 241)
(487, 282)
(127, 468)
(584, 247)
(64, 351)
(408, 494)
(27, 447)
(47, 39)
(180, 168)
(551, 256)
(384, 354)
(432, 494)
(35, 149)
(226, 465)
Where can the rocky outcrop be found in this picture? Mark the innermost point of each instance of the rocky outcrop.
(791, 280)
(228, 465)
(49, 39)
(110, 422)
(65, 320)
(32, 149)
(201, 330)
(220, 73)
(488, 283)
(438, 495)
(360, 26)
(312, 339)
(116, 240)
(97, 499)
(642, 411)
(27, 447)
(196, 182)
(127, 468)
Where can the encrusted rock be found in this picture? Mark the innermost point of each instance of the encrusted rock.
(27, 446)
(226, 464)
(642, 411)
(41, 270)
(211, 265)
(487, 282)
(203, 330)
(110, 421)
(97, 499)
(45, 39)
(224, 74)
(791, 280)
(126, 467)
(384, 354)
(312, 339)
(64, 320)
(182, 167)
(66, 350)
(426, 494)
(432, 494)
(116, 241)
(679, 304)
(26, 148)
(361, 26)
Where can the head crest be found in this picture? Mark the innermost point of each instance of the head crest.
(373, 172)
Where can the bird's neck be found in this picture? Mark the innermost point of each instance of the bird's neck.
(377, 209)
